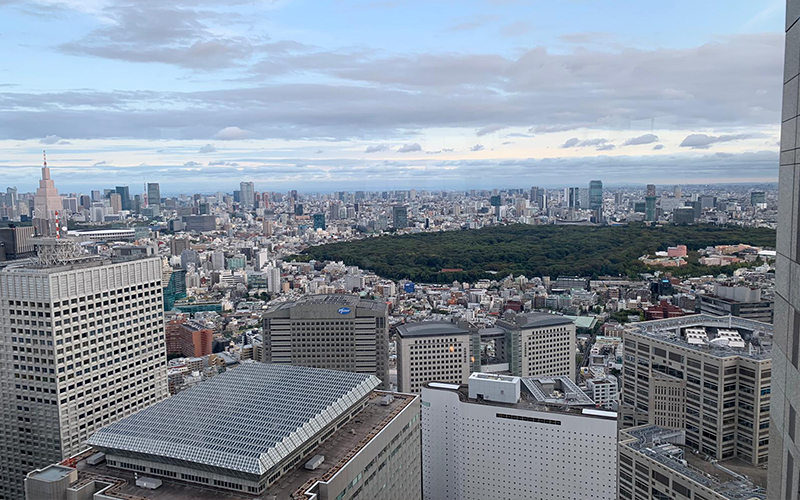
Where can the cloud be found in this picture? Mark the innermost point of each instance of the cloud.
(490, 129)
(232, 134)
(658, 147)
(318, 152)
(409, 148)
(606, 147)
(574, 142)
(477, 147)
(192, 164)
(703, 141)
(101, 163)
(376, 148)
(50, 139)
(507, 143)
(517, 28)
(208, 148)
(216, 163)
(642, 139)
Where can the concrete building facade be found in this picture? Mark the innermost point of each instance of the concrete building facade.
(539, 344)
(504, 440)
(432, 351)
(685, 373)
(337, 332)
(784, 458)
(81, 346)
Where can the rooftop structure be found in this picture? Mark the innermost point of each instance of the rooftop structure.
(331, 416)
(674, 467)
(251, 420)
(429, 329)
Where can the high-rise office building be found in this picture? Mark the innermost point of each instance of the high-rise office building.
(124, 193)
(153, 194)
(595, 194)
(758, 199)
(572, 197)
(81, 346)
(784, 458)
(319, 221)
(509, 437)
(651, 190)
(46, 206)
(683, 215)
(259, 431)
(538, 344)
(338, 332)
(707, 375)
(247, 194)
(400, 217)
(650, 207)
(433, 351)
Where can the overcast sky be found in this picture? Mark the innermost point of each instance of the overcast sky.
(335, 94)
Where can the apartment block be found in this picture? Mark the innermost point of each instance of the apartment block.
(81, 346)
(432, 351)
(337, 332)
(710, 376)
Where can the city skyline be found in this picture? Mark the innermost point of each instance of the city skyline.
(281, 96)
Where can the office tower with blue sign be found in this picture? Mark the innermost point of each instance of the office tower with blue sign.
(337, 332)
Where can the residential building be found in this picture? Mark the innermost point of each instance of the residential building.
(784, 459)
(539, 344)
(432, 351)
(191, 339)
(247, 194)
(337, 332)
(741, 301)
(510, 437)
(707, 375)
(655, 463)
(178, 245)
(604, 391)
(258, 431)
(81, 346)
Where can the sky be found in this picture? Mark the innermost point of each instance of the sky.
(324, 95)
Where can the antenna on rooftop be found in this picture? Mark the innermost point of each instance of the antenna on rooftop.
(44, 154)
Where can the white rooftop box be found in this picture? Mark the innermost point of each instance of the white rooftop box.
(491, 387)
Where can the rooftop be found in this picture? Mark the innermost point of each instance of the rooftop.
(556, 391)
(538, 320)
(733, 479)
(535, 395)
(247, 419)
(337, 449)
(429, 329)
(757, 335)
(335, 299)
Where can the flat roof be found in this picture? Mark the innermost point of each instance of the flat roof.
(332, 299)
(51, 474)
(539, 320)
(344, 443)
(430, 329)
(247, 419)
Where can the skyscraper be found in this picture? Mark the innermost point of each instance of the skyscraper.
(400, 217)
(247, 194)
(319, 221)
(125, 194)
(153, 194)
(81, 346)
(46, 205)
(784, 453)
(595, 194)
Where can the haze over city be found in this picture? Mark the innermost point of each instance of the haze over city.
(197, 95)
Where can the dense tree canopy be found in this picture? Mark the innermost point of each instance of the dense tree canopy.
(532, 251)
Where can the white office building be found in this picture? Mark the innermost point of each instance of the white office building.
(432, 351)
(510, 437)
(81, 346)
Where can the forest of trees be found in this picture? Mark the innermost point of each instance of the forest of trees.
(533, 251)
